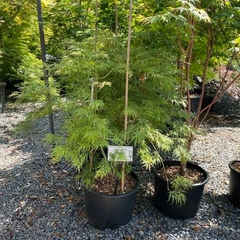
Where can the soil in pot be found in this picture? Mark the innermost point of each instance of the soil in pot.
(195, 173)
(171, 171)
(107, 185)
(234, 183)
(111, 211)
(236, 166)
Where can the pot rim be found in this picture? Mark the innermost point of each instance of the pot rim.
(231, 163)
(118, 195)
(206, 174)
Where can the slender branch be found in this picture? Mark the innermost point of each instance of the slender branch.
(106, 74)
(189, 52)
(210, 45)
(217, 97)
(180, 44)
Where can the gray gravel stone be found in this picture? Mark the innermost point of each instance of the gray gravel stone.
(42, 200)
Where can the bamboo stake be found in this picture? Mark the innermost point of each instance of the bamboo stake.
(127, 82)
(127, 67)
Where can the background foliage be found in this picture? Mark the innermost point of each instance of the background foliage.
(86, 41)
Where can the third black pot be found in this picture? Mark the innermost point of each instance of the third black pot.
(195, 101)
(193, 195)
(110, 211)
(234, 185)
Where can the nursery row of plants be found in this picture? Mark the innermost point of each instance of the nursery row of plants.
(130, 78)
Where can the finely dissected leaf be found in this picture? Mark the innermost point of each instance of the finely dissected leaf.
(148, 158)
(181, 183)
(177, 197)
(179, 186)
(103, 169)
(161, 141)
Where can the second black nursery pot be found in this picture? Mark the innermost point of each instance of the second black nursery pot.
(193, 195)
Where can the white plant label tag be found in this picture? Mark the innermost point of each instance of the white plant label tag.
(199, 79)
(127, 150)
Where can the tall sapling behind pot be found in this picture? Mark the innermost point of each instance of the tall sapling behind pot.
(179, 183)
(193, 39)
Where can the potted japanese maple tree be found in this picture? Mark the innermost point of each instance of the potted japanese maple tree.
(176, 195)
(102, 111)
(96, 147)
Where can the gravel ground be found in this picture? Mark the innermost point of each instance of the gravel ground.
(42, 200)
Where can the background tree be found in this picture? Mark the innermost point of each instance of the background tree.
(19, 43)
(198, 42)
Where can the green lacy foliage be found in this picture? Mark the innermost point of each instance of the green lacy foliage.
(91, 70)
(117, 166)
(19, 43)
(94, 119)
(179, 186)
(85, 133)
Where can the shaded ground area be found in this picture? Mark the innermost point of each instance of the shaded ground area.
(225, 112)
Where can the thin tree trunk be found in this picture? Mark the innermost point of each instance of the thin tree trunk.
(188, 63)
(116, 18)
(45, 71)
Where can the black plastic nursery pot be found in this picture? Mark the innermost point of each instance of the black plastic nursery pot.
(234, 185)
(193, 195)
(110, 211)
(195, 101)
